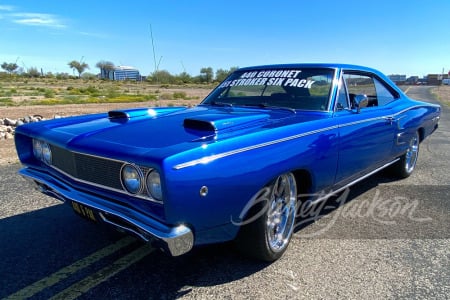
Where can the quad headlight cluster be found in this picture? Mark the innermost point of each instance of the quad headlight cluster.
(140, 181)
(134, 181)
(42, 151)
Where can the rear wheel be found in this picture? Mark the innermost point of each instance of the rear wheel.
(407, 163)
(268, 235)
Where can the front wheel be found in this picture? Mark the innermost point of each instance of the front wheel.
(407, 163)
(271, 222)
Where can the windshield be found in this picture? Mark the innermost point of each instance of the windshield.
(302, 88)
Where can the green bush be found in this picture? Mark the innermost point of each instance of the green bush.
(112, 92)
(92, 90)
(49, 94)
(179, 95)
(71, 98)
(6, 101)
(150, 97)
(166, 96)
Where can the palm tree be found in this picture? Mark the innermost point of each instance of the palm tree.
(79, 66)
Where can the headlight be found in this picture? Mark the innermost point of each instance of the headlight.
(42, 151)
(37, 149)
(46, 153)
(131, 178)
(153, 183)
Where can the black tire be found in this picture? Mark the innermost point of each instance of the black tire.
(269, 225)
(407, 163)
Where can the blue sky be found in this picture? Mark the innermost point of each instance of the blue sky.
(397, 37)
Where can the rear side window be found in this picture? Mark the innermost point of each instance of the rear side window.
(383, 94)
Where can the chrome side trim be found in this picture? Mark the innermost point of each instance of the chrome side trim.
(363, 121)
(207, 159)
(327, 196)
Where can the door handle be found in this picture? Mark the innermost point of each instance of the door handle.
(390, 120)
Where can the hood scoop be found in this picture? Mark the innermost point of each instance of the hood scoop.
(130, 113)
(218, 122)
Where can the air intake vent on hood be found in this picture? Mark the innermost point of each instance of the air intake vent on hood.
(199, 125)
(117, 114)
(130, 113)
(218, 122)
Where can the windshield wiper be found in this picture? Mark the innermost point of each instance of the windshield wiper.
(264, 105)
(218, 103)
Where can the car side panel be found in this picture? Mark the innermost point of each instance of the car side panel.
(366, 142)
(233, 181)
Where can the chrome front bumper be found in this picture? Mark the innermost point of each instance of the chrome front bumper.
(176, 240)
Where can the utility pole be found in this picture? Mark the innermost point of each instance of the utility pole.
(153, 47)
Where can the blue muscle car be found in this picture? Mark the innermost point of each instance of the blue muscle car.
(233, 167)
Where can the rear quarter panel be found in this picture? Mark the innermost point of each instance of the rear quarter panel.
(420, 117)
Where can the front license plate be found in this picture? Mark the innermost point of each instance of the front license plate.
(84, 211)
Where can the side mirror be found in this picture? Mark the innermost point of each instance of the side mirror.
(361, 101)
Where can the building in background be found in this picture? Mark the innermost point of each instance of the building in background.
(412, 80)
(398, 79)
(122, 73)
(436, 79)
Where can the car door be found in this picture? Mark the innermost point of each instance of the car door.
(366, 135)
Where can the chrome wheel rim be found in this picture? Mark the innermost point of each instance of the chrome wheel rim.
(281, 212)
(411, 154)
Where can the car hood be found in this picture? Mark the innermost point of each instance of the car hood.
(160, 130)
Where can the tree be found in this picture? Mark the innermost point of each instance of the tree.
(206, 74)
(162, 76)
(105, 68)
(232, 69)
(33, 72)
(79, 66)
(184, 77)
(221, 74)
(88, 76)
(9, 67)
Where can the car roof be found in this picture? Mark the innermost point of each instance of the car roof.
(311, 65)
(328, 66)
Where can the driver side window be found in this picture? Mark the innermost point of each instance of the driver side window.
(361, 84)
(375, 91)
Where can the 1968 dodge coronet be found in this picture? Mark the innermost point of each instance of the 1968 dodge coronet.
(233, 167)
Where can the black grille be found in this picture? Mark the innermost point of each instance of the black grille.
(88, 168)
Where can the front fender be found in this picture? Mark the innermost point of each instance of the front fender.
(233, 180)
